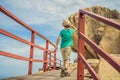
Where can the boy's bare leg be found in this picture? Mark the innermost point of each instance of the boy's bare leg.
(64, 70)
(66, 64)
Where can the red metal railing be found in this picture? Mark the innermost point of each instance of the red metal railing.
(59, 62)
(81, 60)
(31, 44)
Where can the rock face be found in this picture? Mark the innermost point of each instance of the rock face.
(102, 34)
(105, 36)
(107, 72)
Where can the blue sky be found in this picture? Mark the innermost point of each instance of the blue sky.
(45, 16)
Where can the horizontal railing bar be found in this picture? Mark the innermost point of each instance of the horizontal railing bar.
(51, 59)
(90, 69)
(58, 63)
(36, 60)
(15, 18)
(21, 40)
(3, 53)
(46, 39)
(56, 58)
(105, 55)
(39, 47)
(101, 18)
(13, 56)
(22, 23)
(14, 37)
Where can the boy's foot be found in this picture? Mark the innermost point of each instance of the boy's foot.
(67, 74)
(64, 73)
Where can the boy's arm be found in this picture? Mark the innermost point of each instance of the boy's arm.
(73, 27)
(57, 42)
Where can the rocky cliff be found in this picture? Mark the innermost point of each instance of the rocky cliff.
(102, 34)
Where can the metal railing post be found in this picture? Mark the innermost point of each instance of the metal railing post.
(45, 58)
(55, 60)
(31, 53)
(80, 67)
(50, 61)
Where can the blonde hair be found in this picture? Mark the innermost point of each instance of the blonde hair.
(66, 23)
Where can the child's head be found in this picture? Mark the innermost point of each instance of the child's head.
(66, 23)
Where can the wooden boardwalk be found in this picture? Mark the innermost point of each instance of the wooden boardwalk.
(49, 75)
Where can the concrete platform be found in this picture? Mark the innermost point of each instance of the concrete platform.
(50, 75)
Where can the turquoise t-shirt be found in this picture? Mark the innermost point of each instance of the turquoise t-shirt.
(66, 35)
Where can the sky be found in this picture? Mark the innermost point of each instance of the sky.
(44, 16)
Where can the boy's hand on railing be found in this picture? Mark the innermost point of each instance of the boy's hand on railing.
(73, 26)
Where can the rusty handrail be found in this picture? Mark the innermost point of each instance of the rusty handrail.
(21, 40)
(58, 61)
(50, 55)
(30, 43)
(100, 51)
(101, 18)
(81, 38)
(2, 9)
(7, 54)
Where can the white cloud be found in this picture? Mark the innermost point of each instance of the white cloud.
(39, 11)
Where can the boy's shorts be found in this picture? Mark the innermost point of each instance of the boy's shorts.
(66, 53)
